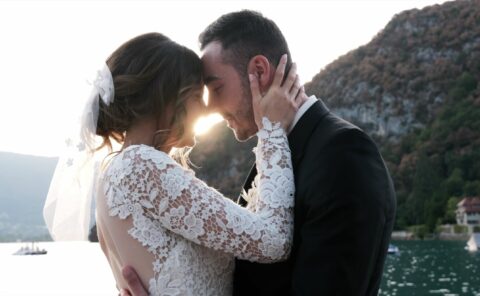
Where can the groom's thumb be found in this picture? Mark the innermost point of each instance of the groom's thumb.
(135, 286)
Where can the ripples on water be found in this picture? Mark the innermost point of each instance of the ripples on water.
(79, 268)
(431, 268)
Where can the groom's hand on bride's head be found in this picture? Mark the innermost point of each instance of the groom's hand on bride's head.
(135, 286)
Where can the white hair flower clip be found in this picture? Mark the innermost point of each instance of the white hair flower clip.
(104, 85)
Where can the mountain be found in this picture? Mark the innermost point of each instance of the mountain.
(414, 88)
(24, 182)
(401, 79)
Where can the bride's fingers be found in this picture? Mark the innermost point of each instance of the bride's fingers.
(300, 98)
(291, 77)
(254, 88)
(295, 87)
(256, 99)
(280, 72)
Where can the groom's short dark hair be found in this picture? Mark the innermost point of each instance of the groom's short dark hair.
(243, 35)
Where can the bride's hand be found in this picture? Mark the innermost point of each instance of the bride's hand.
(281, 102)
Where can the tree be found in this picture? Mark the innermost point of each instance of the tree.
(454, 184)
(450, 213)
(426, 181)
(472, 188)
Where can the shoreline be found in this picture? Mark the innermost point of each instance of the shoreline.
(407, 235)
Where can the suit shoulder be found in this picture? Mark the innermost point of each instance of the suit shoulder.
(335, 131)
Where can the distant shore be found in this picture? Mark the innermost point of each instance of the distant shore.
(407, 235)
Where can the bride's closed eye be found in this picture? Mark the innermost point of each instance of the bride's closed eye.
(199, 99)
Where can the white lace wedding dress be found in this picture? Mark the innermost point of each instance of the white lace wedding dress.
(188, 231)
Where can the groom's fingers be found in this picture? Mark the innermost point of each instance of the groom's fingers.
(133, 281)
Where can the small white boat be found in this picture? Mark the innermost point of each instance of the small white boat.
(33, 250)
(473, 243)
(392, 249)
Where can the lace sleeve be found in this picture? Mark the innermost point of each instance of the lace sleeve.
(154, 186)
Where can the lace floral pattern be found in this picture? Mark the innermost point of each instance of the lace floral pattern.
(193, 231)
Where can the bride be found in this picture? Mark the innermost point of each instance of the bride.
(152, 213)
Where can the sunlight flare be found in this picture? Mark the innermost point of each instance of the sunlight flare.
(203, 124)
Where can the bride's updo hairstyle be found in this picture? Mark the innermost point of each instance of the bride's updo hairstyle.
(150, 73)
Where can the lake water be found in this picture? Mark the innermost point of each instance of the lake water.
(431, 268)
(79, 268)
(69, 268)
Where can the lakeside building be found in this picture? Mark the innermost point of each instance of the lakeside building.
(468, 211)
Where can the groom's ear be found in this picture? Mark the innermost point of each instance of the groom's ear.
(261, 68)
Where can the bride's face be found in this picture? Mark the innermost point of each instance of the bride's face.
(195, 107)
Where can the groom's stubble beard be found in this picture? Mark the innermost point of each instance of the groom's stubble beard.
(244, 114)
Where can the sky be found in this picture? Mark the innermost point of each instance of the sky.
(50, 50)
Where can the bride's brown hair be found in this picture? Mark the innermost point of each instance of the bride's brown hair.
(150, 73)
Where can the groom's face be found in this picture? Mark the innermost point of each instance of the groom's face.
(228, 92)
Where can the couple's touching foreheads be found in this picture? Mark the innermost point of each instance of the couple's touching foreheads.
(317, 208)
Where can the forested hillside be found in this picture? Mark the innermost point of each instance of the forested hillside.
(414, 88)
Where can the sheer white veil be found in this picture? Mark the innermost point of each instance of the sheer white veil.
(68, 207)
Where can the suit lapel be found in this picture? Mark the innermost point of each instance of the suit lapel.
(247, 185)
(298, 138)
(301, 133)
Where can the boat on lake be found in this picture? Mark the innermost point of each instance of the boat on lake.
(30, 250)
(392, 249)
(473, 244)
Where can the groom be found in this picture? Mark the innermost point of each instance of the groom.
(344, 201)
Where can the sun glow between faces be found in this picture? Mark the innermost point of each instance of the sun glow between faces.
(205, 123)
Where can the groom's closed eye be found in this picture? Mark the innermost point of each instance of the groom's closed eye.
(213, 84)
(217, 89)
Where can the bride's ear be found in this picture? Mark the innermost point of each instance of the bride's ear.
(261, 68)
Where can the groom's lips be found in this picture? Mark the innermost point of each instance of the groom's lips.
(229, 119)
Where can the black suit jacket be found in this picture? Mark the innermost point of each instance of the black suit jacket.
(344, 214)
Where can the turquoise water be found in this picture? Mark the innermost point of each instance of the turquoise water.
(79, 268)
(431, 268)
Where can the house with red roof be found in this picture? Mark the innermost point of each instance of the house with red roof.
(468, 211)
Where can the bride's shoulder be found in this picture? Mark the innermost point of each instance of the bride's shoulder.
(138, 159)
(144, 154)
(143, 160)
